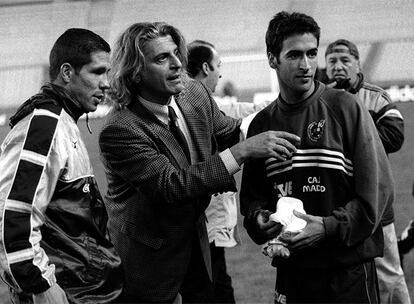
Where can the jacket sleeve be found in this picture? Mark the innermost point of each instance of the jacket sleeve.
(389, 123)
(374, 185)
(27, 180)
(146, 164)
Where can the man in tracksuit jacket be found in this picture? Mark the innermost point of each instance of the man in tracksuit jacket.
(339, 171)
(54, 245)
(343, 67)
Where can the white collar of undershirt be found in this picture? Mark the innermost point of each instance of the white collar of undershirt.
(160, 111)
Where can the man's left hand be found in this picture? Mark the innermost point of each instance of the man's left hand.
(311, 235)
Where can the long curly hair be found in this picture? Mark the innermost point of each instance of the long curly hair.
(127, 58)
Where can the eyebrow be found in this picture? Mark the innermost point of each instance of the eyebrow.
(340, 57)
(167, 53)
(295, 52)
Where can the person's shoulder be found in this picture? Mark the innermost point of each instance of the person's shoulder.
(119, 117)
(46, 116)
(193, 84)
(263, 115)
(342, 105)
(194, 88)
(338, 98)
(372, 87)
(196, 94)
(375, 90)
(267, 111)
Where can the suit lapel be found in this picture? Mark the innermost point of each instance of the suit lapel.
(160, 131)
(196, 126)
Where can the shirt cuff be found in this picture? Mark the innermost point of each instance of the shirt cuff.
(229, 162)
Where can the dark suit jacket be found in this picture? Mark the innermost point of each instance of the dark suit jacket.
(156, 199)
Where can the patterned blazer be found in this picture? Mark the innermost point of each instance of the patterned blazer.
(156, 199)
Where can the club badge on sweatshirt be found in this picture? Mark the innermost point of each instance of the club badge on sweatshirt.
(316, 129)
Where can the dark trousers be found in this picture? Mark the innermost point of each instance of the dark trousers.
(353, 284)
(197, 286)
(223, 291)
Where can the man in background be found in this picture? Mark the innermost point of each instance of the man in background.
(54, 245)
(340, 172)
(343, 67)
(204, 65)
(159, 150)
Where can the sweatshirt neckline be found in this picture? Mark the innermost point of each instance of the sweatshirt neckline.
(319, 87)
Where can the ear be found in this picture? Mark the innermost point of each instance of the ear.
(359, 66)
(205, 68)
(66, 71)
(272, 60)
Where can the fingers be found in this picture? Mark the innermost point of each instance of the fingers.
(273, 230)
(277, 144)
(294, 139)
(305, 217)
(269, 228)
(285, 139)
(265, 225)
(263, 217)
(289, 238)
(284, 144)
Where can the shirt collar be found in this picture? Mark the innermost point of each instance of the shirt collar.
(160, 111)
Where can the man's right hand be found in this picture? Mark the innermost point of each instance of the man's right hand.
(266, 227)
(277, 144)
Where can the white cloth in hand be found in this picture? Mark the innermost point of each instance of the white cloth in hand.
(291, 224)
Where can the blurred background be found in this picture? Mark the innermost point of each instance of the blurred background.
(383, 30)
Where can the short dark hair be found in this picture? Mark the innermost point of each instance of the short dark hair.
(199, 51)
(284, 24)
(75, 46)
(353, 50)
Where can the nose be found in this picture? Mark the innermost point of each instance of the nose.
(104, 82)
(338, 65)
(304, 63)
(175, 62)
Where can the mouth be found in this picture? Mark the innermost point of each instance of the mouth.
(305, 77)
(174, 78)
(99, 97)
(340, 76)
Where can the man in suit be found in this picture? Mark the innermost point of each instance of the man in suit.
(160, 153)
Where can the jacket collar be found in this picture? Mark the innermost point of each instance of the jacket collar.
(358, 84)
(49, 93)
(65, 99)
